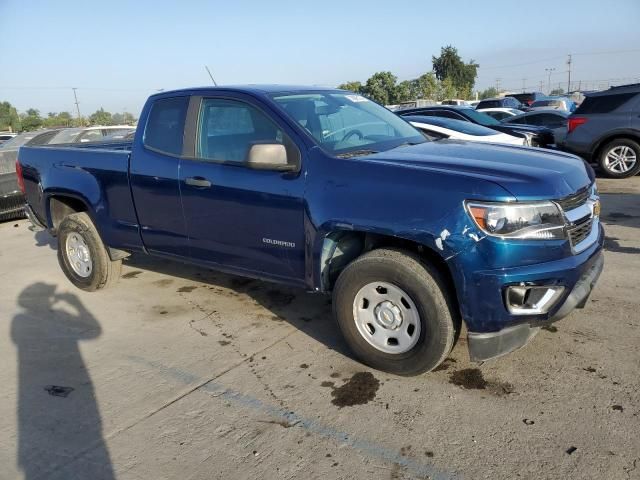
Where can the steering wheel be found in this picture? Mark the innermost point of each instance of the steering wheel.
(350, 133)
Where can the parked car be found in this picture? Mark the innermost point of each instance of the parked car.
(554, 103)
(455, 101)
(326, 190)
(4, 136)
(500, 113)
(556, 120)
(501, 102)
(528, 98)
(605, 130)
(536, 136)
(121, 135)
(11, 198)
(436, 128)
(89, 134)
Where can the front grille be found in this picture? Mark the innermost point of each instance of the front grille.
(574, 201)
(580, 230)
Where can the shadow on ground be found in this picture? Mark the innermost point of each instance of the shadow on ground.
(59, 424)
(309, 312)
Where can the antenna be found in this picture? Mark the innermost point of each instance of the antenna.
(209, 72)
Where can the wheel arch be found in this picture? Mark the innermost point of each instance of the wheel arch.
(610, 137)
(340, 247)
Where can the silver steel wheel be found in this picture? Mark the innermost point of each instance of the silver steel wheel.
(620, 159)
(386, 317)
(79, 255)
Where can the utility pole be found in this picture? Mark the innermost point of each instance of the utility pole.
(77, 104)
(498, 85)
(209, 72)
(569, 74)
(541, 83)
(524, 83)
(549, 70)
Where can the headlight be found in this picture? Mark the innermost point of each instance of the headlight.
(539, 221)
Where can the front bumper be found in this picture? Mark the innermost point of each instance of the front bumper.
(483, 346)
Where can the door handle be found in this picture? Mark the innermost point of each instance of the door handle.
(199, 182)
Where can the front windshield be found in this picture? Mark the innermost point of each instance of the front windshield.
(66, 136)
(481, 118)
(346, 122)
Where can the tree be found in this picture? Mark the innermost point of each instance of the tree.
(100, 117)
(381, 87)
(31, 120)
(446, 89)
(352, 86)
(404, 91)
(450, 66)
(557, 91)
(62, 119)
(425, 86)
(490, 92)
(9, 118)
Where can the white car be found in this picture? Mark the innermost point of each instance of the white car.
(437, 128)
(501, 113)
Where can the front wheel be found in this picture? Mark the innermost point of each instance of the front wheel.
(82, 255)
(620, 158)
(395, 312)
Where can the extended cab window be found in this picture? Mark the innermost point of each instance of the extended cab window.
(165, 125)
(228, 128)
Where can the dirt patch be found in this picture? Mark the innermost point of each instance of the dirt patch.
(335, 375)
(165, 282)
(468, 378)
(58, 391)
(472, 379)
(361, 388)
(187, 289)
(223, 343)
(619, 408)
(550, 328)
(448, 362)
(327, 384)
(304, 365)
(132, 274)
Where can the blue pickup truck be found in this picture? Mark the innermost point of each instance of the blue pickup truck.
(326, 190)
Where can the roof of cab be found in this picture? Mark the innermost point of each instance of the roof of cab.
(255, 89)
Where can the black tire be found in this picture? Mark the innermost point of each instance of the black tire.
(104, 271)
(621, 142)
(426, 287)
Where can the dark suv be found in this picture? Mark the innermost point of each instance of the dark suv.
(605, 130)
(527, 99)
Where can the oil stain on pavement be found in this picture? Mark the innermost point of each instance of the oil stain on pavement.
(472, 379)
(361, 388)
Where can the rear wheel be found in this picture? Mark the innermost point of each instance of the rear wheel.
(82, 255)
(395, 312)
(620, 158)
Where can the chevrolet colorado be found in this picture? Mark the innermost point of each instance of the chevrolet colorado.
(326, 190)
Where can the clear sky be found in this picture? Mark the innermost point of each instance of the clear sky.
(117, 52)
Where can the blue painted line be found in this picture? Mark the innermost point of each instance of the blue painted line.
(246, 401)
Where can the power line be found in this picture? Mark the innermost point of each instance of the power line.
(533, 62)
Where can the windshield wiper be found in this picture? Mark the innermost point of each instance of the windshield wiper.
(356, 153)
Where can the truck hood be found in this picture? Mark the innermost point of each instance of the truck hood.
(527, 173)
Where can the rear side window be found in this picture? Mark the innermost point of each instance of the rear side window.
(165, 126)
(228, 128)
(604, 103)
(490, 104)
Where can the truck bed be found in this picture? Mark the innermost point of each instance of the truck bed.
(96, 173)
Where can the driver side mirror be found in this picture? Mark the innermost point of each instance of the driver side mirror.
(269, 156)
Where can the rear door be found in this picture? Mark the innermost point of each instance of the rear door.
(238, 218)
(154, 177)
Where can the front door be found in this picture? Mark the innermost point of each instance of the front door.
(238, 218)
